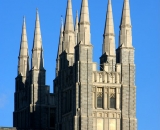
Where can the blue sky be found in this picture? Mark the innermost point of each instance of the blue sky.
(146, 40)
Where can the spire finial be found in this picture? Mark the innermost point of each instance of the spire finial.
(24, 19)
(62, 24)
(77, 13)
(24, 22)
(37, 14)
(76, 24)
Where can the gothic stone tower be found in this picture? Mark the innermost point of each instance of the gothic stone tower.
(34, 105)
(86, 98)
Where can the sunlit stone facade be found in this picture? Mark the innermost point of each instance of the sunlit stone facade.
(87, 95)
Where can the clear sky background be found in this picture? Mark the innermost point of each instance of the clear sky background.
(145, 15)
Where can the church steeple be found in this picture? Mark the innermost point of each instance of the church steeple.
(126, 27)
(109, 37)
(84, 23)
(23, 63)
(76, 27)
(69, 41)
(37, 51)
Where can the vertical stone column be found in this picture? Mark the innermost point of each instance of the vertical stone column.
(128, 88)
(84, 53)
(117, 98)
(105, 98)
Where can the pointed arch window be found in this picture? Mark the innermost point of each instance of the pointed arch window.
(99, 98)
(113, 98)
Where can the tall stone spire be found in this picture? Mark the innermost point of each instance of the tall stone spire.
(76, 28)
(126, 27)
(69, 42)
(59, 46)
(84, 16)
(69, 26)
(84, 23)
(23, 63)
(37, 51)
(60, 39)
(109, 37)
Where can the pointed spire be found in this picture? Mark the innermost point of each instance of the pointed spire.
(126, 20)
(23, 65)
(84, 24)
(37, 51)
(60, 39)
(37, 34)
(69, 26)
(24, 43)
(126, 27)
(59, 46)
(109, 26)
(76, 27)
(76, 23)
(109, 37)
(84, 17)
(69, 37)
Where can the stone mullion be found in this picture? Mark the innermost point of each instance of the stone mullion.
(117, 98)
(108, 97)
(96, 98)
(105, 98)
(108, 79)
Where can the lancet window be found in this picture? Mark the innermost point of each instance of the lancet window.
(112, 98)
(99, 97)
